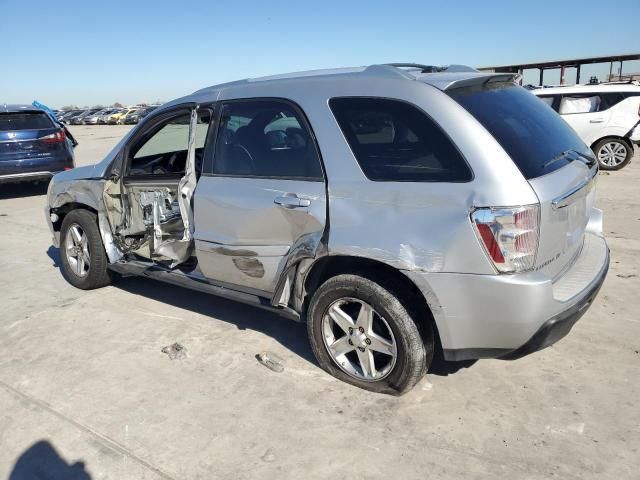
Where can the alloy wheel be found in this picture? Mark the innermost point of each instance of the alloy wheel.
(612, 154)
(359, 340)
(77, 250)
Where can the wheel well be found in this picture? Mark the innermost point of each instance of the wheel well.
(389, 277)
(63, 210)
(627, 142)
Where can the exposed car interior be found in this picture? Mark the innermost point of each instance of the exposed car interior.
(150, 222)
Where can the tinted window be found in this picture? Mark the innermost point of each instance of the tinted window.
(262, 138)
(547, 100)
(24, 121)
(395, 141)
(552, 100)
(531, 133)
(611, 99)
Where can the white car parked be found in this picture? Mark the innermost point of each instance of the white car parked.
(605, 116)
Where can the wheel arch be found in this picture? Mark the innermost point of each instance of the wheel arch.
(624, 139)
(64, 209)
(393, 279)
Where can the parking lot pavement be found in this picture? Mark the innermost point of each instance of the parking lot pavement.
(83, 379)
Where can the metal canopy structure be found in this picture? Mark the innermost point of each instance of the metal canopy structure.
(564, 64)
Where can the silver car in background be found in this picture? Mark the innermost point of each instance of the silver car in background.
(94, 118)
(395, 209)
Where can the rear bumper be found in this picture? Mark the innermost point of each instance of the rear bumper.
(26, 169)
(560, 325)
(26, 177)
(509, 316)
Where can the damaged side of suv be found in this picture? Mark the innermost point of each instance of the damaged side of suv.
(144, 201)
(148, 196)
(391, 207)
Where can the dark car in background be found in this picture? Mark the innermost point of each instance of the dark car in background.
(65, 117)
(79, 119)
(138, 115)
(32, 146)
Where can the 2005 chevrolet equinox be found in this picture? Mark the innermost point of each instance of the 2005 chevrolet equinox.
(391, 207)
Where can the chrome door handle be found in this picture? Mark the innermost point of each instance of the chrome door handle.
(291, 201)
(597, 120)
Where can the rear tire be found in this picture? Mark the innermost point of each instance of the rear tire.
(613, 153)
(389, 355)
(84, 261)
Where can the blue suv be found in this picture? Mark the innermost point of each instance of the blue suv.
(32, 146)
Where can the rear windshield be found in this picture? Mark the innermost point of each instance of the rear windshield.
(534, 136)
(24, 121)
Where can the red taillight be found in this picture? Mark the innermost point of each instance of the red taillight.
(490, 243)
(509, 236)
(57, 137)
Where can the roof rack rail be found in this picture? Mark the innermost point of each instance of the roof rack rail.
(433, 68)
(418, 66)
(626, 81)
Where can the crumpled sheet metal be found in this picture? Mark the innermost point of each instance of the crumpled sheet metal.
(88, 192)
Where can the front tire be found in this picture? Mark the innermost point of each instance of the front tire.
(84, 261)
(362, 334)
(613, 153)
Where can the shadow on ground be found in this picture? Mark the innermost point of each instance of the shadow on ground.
(441, 367)
(54, 254)
(288, 333)
(23, 189)
(42, 462)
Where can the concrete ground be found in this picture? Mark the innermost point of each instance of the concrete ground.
(82, 379)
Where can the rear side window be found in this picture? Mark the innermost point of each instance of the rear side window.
(585, 102)
(24, 121)
(611, 99)
(395, 141)
(534, 136)
(547, 100)
(265, 138)
(552, 100)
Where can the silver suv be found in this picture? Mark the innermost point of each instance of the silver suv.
(395, 209)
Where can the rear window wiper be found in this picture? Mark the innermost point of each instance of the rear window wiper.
(586, 159)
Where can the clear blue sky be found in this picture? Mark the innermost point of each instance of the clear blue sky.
(86, 52)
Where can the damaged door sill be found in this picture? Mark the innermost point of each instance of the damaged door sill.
(196, 281)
